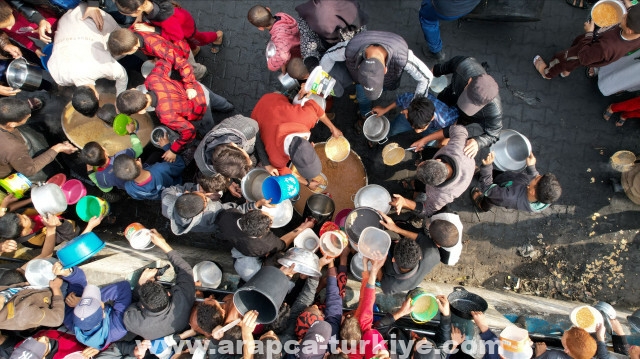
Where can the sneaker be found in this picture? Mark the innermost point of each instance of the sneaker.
(199, 71)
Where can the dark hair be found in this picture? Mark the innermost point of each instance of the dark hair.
(407, 253)
(234, 335)
(633, 19)
(189, 205)
(93, 154)
(432, 172)
(267, 353)
(208, 317)
(10, 226)
(443, 233)
(131, 101)
(548, 189)
(11, 277)
(420, 112)
(153, 296)
(212, 184)
(121, 41)
(297, 69)
(350, 332)
(255, 223)
(125, 167)
(107, 113)
(230, 161)
(13, 109)
(128, 6)
(85, 101)
(260, 16)
(5, 11)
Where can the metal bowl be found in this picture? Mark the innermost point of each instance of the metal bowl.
(359, 219)
(374, 196)
(288, 82)
(208, 274)
(306, 261)
(48, 199)
(281, 213)
(511, 150)
(251, 184)
(620, 11)
(356, 266)
(271, 50)
(376, 128)
(337, 149)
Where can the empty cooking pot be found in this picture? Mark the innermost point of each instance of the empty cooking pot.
(359, 219)
(511, 150)
(160, 131)
(251, 184)
(23, 75)
(376, 128)
(208, 274)
(463, 303)
(319, 207)
(288, 82)
(263, 293)
(48, 199)
(374, 196)
(305, 260)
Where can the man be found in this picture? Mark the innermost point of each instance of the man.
(475, 94)
(446, 176)
(376, 60)
(525, 191)
(14, 150)
(81, 60)
(160, 312)
(432, 11)
(284, 132)
(593, 49)
(416, 254)
(24, 307)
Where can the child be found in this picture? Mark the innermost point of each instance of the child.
(100, 164)
(527, 191)
(628, 109)
(14, 24)
(148, 183)
(171, 21)
(284, 35)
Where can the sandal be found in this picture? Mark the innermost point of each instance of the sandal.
(580, 4)
(607, 113)
(621, 121)
(476, 198)
(536, 61)
(216, 45)
(591, 72)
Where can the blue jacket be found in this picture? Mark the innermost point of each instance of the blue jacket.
(118, 295)
(163, 175)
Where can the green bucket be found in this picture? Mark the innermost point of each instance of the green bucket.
(91, 206)
(120, 123)
(425, 305)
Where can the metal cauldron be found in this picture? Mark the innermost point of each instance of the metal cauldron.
(23, 75)
(251, 184)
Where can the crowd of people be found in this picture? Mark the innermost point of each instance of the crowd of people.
(106, 39)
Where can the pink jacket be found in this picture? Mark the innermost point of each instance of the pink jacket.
(286, 37)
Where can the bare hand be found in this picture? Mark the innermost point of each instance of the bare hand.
(235, 190)
(335, 132)
(248, 322)
(308, 223)
(95, 15)
(13, 50)
(191, 94)
(600, 330)
(324, 261)
(272, 170)
(141, 349)
(50, 220)
(263, 202)
(288, 271)
(148, 275)
(398, 202)
(480, 320)
(158, 239)
(131, 128)
(93, 223)
(456, 336)
(489, 159)
(59, 271)
(589, 26)
(379, 111)
(303, 93)
(55, 284)
(313, 185)
(217, 332)
(541, 348)
(8, 91)
(90, 352)
(65, 147)
(164, 140)
(8, 199)
(443, 305)
(169, 156)
(377, 264)
(388, 223)
(531, 160)
(8, 246)
(419, 144)
(72, 300)
(44, 28)
(406, 308)
(471, 148)
(142, 27)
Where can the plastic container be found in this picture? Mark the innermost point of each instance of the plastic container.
(120, 124)
(208, 274)
(425, 305)
(39, 272)
(308, 240)
(374, 243)
(263, 293)
(515, 343)
(91, 206)
(341, 217)
(79, 249)
(73, 190)
(281, 214)
(48, 199)
(332, 243)
(138, 236)
(438, 84)
(280, 188)
(58, 179)
(313, 97)
(511, 150)
(320, 82)
(16, 184)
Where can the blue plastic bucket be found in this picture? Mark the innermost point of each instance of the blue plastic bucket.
(280, 188)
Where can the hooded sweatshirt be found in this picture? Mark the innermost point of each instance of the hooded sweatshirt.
(205, 220)
(286, 36)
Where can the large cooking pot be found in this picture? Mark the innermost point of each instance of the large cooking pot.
(374, 196)
(23, 75)
(463, 303)
(376, 128)
(251, 184)
(359, 219)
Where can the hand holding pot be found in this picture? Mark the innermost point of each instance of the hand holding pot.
(8, 246)
(159, 241)
(388, 223)
(531, 160)
(443, 305)
(480, 320)
(489, 159)
(398, 202)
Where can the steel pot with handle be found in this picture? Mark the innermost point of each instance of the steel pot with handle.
(463, 303)
(376, 128)
(23, 75)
